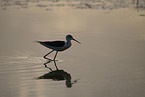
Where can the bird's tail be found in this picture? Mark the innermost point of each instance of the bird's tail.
(37, 41)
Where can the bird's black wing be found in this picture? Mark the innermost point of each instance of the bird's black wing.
(53, 43)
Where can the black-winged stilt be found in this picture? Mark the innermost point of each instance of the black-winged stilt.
(57, 45)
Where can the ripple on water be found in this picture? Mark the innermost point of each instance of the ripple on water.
(22, 64)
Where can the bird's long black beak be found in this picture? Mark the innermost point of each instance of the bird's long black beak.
(76, 41)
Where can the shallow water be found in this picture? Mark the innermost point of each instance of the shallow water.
(109, 62)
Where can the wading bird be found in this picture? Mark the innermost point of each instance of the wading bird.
(57, 45)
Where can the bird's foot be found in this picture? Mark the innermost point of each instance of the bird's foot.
(51, 60)
(54, 60)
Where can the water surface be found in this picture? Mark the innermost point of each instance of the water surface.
(109, 62)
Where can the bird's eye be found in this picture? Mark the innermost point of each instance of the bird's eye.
(69, 36)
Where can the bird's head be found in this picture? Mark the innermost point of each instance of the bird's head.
(70, 37)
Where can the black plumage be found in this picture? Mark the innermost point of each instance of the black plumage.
(53, 43)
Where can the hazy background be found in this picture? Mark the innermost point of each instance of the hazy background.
(109, 62)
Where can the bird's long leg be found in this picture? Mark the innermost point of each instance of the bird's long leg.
(54, 60)
(45, 64)
(47, 55)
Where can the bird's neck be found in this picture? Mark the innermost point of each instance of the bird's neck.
(68, 42)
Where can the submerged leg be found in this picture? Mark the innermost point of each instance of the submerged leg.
(54, 60)
(47, 55)
(45, 64)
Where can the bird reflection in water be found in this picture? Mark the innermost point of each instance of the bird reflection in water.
(59, 75)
